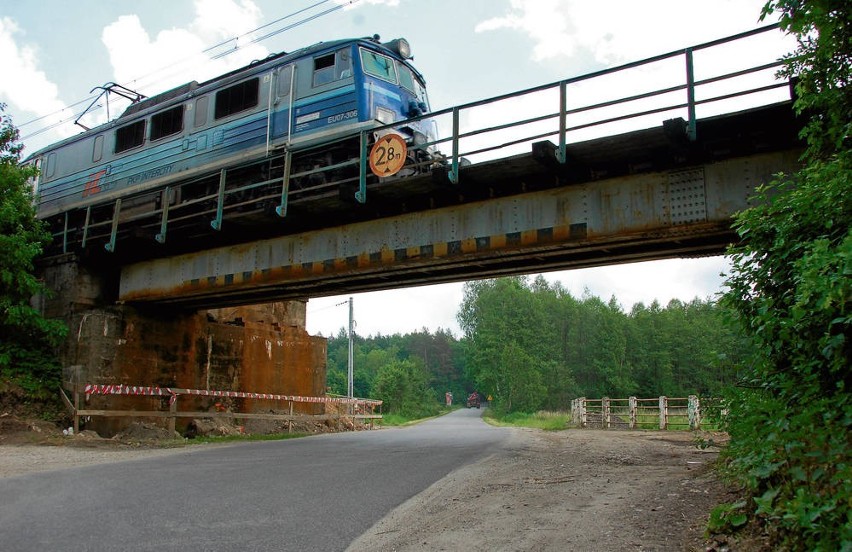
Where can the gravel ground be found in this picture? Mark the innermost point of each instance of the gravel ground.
(23, 459)
(566, 490)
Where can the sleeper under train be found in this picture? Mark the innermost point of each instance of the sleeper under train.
(316, 101)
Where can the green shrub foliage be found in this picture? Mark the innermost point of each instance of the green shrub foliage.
(791, 445)
(27, 340)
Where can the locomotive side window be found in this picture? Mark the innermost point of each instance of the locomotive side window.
(167, 123)
(201, 111)
(236, 98)
(378, 65)
(50, 166)
(98, 149)
(332, 67)
(129, 136)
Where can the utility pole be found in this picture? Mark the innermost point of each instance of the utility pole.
(351, 381)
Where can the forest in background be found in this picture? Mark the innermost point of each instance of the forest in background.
(531, 345)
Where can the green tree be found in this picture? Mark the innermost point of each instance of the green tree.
(403, 386)
(791, 444)
(27, 340)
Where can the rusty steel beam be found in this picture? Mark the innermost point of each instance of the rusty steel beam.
(673, 213)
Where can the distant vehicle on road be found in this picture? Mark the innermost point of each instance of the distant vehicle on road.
(473, 400)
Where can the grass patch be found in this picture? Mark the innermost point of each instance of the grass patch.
(548, 421)
(245, 437)
(401, 420)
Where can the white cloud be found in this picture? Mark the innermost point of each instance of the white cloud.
(175, 56)
(221, 19)
(614, 31)
(24, 85)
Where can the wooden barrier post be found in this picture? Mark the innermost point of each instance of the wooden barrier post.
(582, 407)
(664, 413)
(77, 400)
(172, 413)
(632, 411)
(605, 412)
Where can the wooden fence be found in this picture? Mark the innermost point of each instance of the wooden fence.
(355, 408)
(632, 412)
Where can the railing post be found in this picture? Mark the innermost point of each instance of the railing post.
(693, 409)
(690, 96)
(281, 209)
(290, 421)
(454, 171)
(164, 221)
(664, 412)
(605, 412)
(563, 124)
(361, 194)
(631, 409)
(582, 411)
(116, 211)
(65, 235)
(86, 226)
(216, 223)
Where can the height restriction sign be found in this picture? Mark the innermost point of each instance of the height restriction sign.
(388, 155)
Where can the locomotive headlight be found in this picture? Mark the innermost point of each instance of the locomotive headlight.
(385, 115)
(400, 46)
(420, 139)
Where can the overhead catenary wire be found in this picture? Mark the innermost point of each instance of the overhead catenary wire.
(237, 46)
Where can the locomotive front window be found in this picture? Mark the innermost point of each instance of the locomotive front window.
(236, 98)
(378, 65)
(167, 123)
(130, 136)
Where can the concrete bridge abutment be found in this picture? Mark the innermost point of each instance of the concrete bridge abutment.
(257, 348)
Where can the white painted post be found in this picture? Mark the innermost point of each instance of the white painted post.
(693, 409)
(664, 413)
(582, 411)
(605, 411)
(631, 407)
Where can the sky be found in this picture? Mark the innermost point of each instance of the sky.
(467, 50)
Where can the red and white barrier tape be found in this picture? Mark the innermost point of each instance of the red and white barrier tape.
(94, 389)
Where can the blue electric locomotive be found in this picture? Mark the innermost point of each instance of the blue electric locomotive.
(316, 100)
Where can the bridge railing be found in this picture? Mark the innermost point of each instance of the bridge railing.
(714, 77)
(720, 76)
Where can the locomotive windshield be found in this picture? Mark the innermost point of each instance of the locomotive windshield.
(378, 65)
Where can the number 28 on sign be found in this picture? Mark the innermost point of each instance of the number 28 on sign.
(388, 155)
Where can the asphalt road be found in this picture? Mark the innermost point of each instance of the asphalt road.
(317, 493)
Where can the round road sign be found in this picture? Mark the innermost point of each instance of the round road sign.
(388, 155)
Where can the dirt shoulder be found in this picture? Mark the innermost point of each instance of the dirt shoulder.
(567, 490)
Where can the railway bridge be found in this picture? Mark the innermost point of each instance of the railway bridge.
(645, 161)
